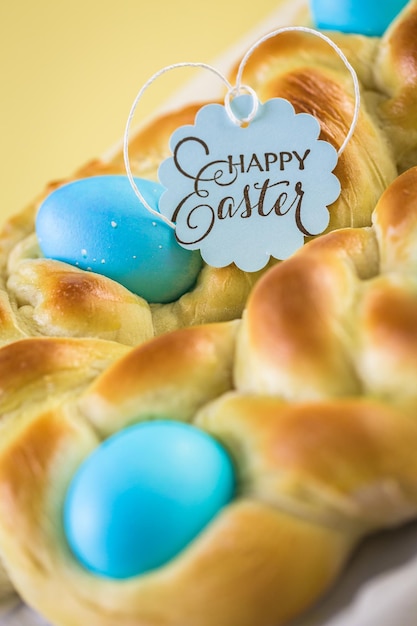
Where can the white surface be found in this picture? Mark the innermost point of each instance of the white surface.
(378, 587)
(23, 616)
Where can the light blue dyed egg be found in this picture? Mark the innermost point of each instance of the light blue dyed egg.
(144, 495)
(99, 224)
(366, 17)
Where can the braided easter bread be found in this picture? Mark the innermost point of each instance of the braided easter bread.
(43, 297)
(312, 394)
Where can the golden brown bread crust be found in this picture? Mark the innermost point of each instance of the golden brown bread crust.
(307, 72)
(344, 463)
(42, 372)
(327, 348)
(314, 396)
(395, 76)
(296, 66)
(358, 318)
(70, 302)
(149, 377)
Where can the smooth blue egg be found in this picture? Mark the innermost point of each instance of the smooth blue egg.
(143, 495)
(99, 224)
(365, 17)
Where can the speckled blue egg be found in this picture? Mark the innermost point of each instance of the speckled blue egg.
(365, 17)
(143, 495)
(99, 224)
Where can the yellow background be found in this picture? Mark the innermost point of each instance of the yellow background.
(70, 72)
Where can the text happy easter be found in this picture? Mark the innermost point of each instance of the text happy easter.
(241, 186)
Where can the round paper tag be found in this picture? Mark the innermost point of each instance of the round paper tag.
(241, 194)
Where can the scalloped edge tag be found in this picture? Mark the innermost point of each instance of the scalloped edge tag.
(244, 194)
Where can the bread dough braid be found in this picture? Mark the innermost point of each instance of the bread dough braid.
(40, 297)
(313, 394)
(41, 372)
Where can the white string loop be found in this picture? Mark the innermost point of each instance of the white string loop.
(148, 83)
(335, 47)
(231, 93)
(237, 91)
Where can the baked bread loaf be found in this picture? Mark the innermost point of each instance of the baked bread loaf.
(313, 395)
(43, 297)
(79, 323)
